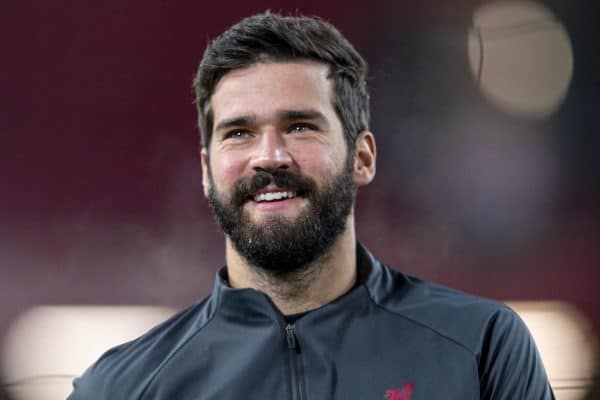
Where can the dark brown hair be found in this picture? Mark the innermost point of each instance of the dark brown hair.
(270, 37)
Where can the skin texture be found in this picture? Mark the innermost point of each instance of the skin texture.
(258, 127)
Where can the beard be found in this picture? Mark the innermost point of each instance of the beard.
(279, 244)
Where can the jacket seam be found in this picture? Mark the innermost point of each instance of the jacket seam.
(166, 361)
(414, 321)
(450, 339)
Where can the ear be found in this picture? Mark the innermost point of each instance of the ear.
(205, 170)
(365, 154)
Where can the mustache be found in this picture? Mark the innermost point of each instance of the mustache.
(246, 188)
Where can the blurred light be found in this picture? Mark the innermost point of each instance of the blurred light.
(566, 344)
(521, 57)
(47, 346)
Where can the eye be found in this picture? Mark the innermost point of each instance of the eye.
(302, 127)
(237, 134)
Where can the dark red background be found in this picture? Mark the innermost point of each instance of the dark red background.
(101, 198)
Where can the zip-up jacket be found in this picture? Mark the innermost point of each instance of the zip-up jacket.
(391, 337)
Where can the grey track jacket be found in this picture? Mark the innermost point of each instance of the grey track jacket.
(391, 337)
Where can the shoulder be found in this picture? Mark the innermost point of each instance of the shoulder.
(455, 315)
(501, 346)
(124, 371)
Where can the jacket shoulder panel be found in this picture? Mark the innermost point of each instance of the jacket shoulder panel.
(458, 316)
(124, 371)
(503, 349)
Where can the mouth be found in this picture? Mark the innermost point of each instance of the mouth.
(272, 199)
(272, 196)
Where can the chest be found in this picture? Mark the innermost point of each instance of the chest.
(358, 359)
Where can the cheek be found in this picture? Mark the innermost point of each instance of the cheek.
(226, 169)
(321, 162)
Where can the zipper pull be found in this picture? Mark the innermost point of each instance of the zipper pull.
(291, 337)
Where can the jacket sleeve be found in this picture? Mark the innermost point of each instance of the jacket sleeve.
(82, 389)
(92, 387)
(103, 380)
(510, 367)
(77, 394)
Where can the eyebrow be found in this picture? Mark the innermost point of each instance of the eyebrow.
(234, 122)
(286, 115)
(313, 115)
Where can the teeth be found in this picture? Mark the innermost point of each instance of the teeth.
(273, 196)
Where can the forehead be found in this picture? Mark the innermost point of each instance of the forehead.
(263, 89)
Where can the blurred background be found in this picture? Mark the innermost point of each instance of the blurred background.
(485, 114)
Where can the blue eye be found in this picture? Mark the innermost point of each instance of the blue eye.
(297, 128)
(237, 134)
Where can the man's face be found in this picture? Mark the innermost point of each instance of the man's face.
(277, 173)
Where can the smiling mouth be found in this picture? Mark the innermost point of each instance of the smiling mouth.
(273, 196)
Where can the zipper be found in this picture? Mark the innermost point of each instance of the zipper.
(296, 376)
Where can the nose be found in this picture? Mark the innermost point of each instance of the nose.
(271, 152)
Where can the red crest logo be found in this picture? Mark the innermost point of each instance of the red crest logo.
(400, 394)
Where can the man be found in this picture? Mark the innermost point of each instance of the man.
(302, 311)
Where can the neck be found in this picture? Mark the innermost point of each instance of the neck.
(313, 286)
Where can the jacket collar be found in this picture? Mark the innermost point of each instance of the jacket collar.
(245, 305)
